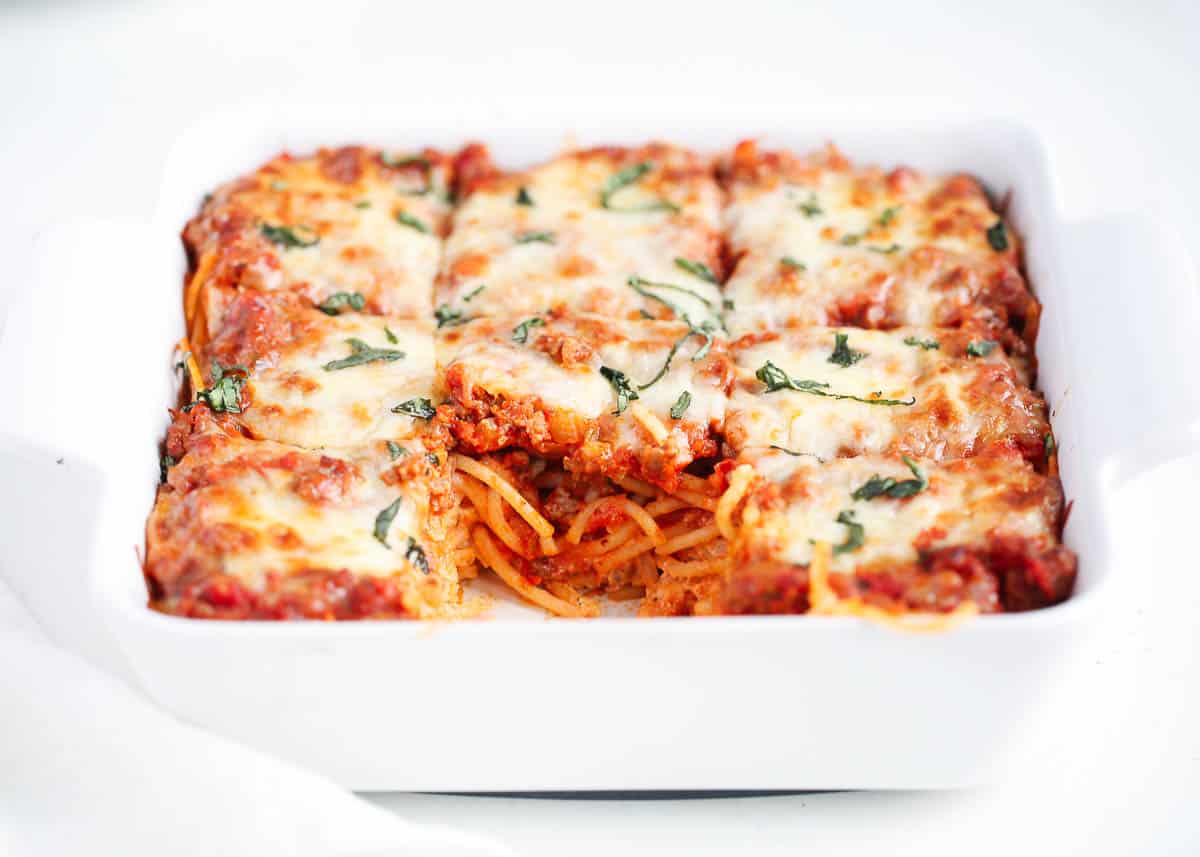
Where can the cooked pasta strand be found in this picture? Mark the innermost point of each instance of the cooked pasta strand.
(498, 483)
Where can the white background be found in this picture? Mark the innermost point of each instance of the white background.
(92, 95)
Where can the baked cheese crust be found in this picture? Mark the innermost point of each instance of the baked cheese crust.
(594, 231)
(317, 380)
(614, 397)
(246, 529)
(924, 392)
(983, 530)
(819, 241)
(351, 227)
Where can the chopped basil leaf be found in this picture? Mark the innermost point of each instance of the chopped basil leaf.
(523, 197)
(981, 348)
(879, 486)
(811, 208)
(843, 355)
(645, 315)
(850, 239)
(623, 179)
(363, 203)
(391, 337)
(640, 286)
(164, 464)
(1049, 446)
(473, 293)
(395, 450)
(888, 215)
(997, 236)
(285, 236)
(697, 269)
(797, 453)
(521, 331)
(681, 405)
(789, 262)
(225, 394)
(854, 536)
(383, 522)
(447, 317)
(776, 379)
(620, 382)
(416, 407)
(531, 237)
(889, 249)
(432, 458)
(406, 219)
(927, 344)
(727, 303)
(416, 555)
(705, 329)
(361, 353)
(333, 304)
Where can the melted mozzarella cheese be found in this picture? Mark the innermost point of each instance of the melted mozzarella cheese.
(960, 506)
(855, 235)
(297, 400)
(940, 419)
(589, 253)
(360, 244)
(252, 515)
(502, 367)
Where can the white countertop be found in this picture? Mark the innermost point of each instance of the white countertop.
(93, 95)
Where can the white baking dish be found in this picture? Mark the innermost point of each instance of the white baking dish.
(519, 702)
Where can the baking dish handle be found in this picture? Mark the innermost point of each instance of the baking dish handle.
(69, 329)
(1132, 327)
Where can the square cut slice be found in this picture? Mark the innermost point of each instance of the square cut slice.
(926, 393)
(350, 228)
(904, 536)
(245, 529)
(315, 380)
(819, 241)
(642, 399)
(596, 231)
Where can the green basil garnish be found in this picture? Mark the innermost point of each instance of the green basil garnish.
(879, 486)
(419, 407)
(334, 304)
(623, 179)
(843, 355)
(520, 333)
(697, 269)
(538, 237)
(776, 379)
(225, 394)
(360, 354)
(406, 219)
(285, 236)
(981, 347)
(416, 555)
(681, 405)
(383, 522)
(855, 536)
(926, 344)
(620, 382)
(997, 236)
